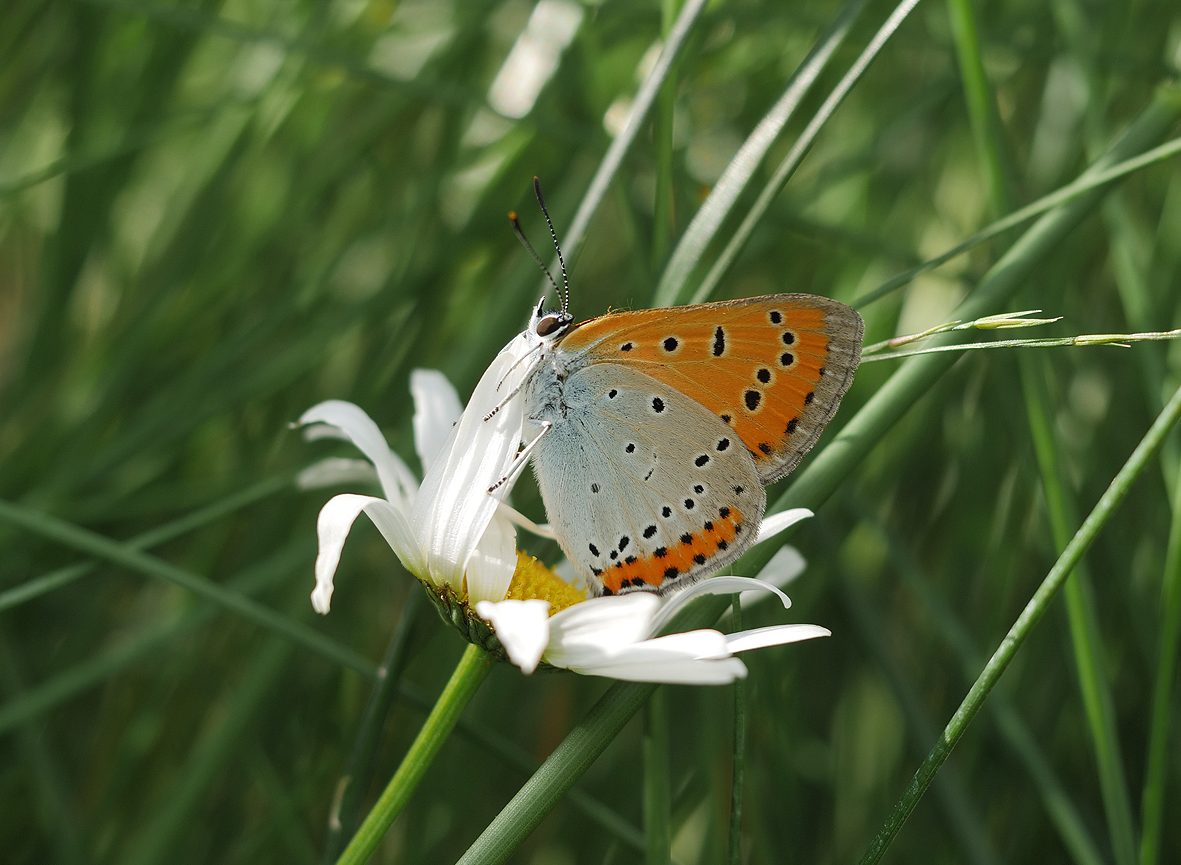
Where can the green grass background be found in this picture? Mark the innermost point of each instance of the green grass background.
(215, 214)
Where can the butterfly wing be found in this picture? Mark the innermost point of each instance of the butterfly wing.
(645, 488)
(774, 368)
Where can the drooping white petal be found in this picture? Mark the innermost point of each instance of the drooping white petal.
(492, 563)
(600, 625)
(774, 635)
(773, 524)
(336, 471)
(332, 527)
(694, 657)
(397, 482)
(522, 628)
(724, 585)
(453, 508)
(785, 567)
(436, 409)
(542, 530)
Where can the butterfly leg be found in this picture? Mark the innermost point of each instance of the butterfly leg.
(522, 457)
(516, 390)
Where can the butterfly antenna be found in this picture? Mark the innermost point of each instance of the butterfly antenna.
(520, 233)
(554, 237)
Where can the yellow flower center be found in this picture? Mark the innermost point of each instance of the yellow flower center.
(532, 579)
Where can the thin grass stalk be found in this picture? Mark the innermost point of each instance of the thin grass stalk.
(1104, 509)
(738, 757)
(1156, 761)
(657, 798)
(1090, 180)
(815, 483)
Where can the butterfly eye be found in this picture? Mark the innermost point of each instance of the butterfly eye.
(551, 324)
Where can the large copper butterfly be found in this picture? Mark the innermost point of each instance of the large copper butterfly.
(659, 427)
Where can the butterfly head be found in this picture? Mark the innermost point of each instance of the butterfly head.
(549, 325)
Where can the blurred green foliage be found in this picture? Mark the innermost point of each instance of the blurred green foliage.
(215, 214)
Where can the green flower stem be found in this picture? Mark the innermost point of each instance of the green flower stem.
(1108, 503)
(657, 799)
(469, 673)
(1157, 760)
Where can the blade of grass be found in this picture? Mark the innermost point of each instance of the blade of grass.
(737, 176)
(46, 583)
(787, 168)
(1086, 640)
(609, 166)
(96, 545)
(1104, 509)
(148, 643)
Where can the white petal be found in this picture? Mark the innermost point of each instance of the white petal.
(724, 585)
(397, 481)
(695, 657)
(492, 563)
(333, 525)
(600, 625)
(773, 524)
(542, 530)
(436, 409)
(522, 628)
(775, 635)
(453, 507)
(335, 471)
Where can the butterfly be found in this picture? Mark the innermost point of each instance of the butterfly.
(660, 427)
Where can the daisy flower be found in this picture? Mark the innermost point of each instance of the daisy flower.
(460, 541)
